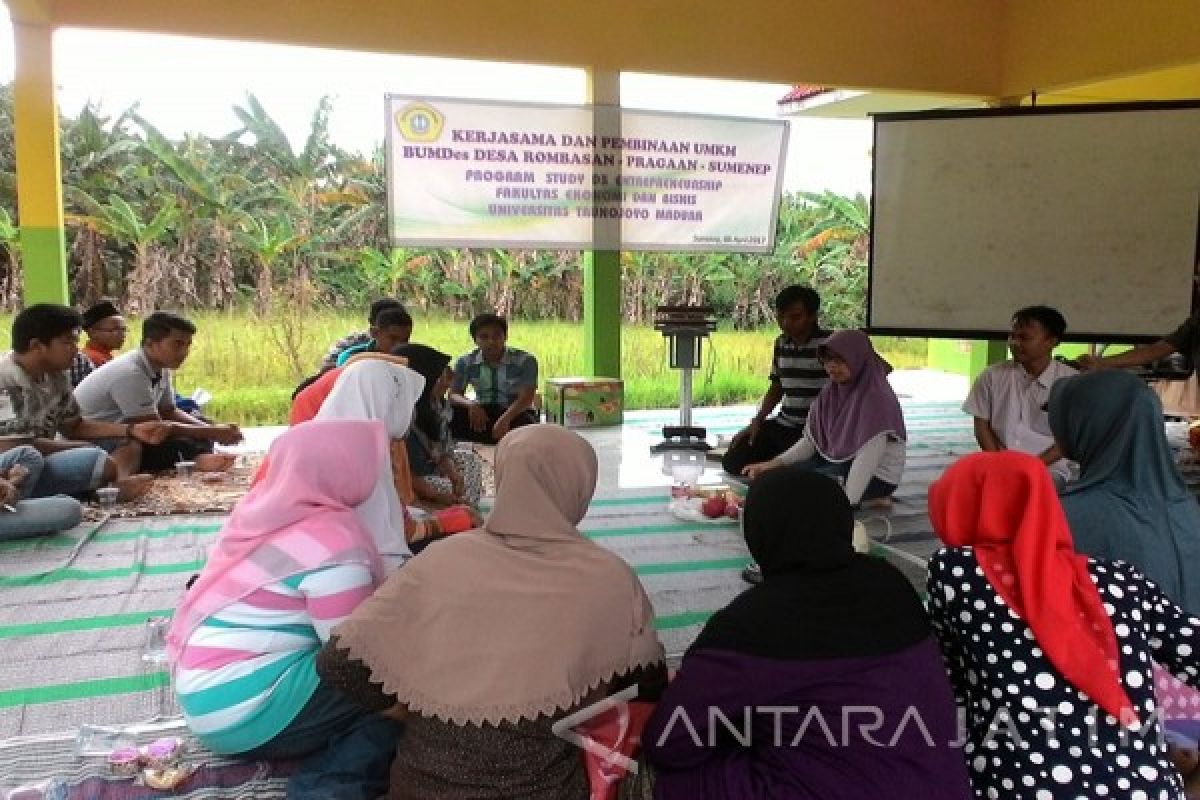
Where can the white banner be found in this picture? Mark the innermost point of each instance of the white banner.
(472, 173)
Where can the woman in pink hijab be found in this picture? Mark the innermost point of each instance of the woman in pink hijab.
(292, 562)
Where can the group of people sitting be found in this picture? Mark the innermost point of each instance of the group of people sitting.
(503, 380)
(358, 379)
(72, 421)
(445, 678)
(314, 633)
(839, 415)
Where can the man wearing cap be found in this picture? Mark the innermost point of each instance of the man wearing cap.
(106, 331)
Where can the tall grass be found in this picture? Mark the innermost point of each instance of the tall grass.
(235, 358)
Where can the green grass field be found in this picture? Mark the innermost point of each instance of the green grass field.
(234, 357)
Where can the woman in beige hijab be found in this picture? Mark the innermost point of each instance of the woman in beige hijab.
(484, 641)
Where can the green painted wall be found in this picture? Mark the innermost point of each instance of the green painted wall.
(43, 255)
(602, 314)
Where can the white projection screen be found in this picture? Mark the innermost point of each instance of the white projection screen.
(1091, 209)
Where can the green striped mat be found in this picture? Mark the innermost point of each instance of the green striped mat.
(632, 519)
(71, 633)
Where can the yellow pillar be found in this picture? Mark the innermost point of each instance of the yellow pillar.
(39, 176)
(602, 264)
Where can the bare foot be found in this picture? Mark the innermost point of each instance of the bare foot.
(133, 487)
(879, 504)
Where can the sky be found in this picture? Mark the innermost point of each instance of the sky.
(190, 85)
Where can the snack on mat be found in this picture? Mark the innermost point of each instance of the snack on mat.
(169, 778)
(124, 762)
(163, 753)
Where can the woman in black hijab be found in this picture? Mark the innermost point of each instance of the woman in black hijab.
(441, 475)
(825, 670)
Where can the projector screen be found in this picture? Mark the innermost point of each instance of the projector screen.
(1094, 210)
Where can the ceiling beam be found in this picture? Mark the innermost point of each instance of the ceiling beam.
(948, 46)
(1053, 45)
(30, 12)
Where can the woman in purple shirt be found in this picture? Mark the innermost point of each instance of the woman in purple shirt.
(822, 682)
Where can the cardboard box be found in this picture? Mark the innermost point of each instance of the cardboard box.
(585, 402)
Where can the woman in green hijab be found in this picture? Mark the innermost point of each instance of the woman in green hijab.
(1130, 502)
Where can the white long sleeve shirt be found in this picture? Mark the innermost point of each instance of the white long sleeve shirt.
(880, 457)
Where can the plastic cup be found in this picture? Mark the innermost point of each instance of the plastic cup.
(154, 643)
(107, 496)
(687, 474)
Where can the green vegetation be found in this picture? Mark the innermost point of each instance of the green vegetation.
(276, 250)
(248, 220)
(251, 382)
(235, 358)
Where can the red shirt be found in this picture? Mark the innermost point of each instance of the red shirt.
(308, 402)
(98, 355)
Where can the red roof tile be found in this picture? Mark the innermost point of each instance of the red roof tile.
(803, 91)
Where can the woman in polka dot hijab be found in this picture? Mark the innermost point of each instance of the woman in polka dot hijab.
(1048, 649)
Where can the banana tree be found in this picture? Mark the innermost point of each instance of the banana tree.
(211, 193)
(117, 220)
(309, 186)
(268, 241)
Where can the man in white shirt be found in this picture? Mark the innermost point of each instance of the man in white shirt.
(1008, 400)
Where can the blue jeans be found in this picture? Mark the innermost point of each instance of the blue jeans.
(40, 511)
(73, 471)
(835, 469)
(349, 750)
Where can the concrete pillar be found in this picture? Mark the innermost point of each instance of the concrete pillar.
(39, 175)
(602, 264)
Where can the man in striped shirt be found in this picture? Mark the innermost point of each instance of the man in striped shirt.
(358, 337)
(796, 378)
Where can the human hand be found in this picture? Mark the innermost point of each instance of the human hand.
(227, 434)
(8, 492)
(153, 431)
(17, 474)
(478, 417)
(752, 471)
(1088, 363)
(501, 428)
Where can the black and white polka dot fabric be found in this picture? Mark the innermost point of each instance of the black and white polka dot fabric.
(1031, 735)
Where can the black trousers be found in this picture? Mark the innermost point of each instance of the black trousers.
(460, 425)
(773, 438)
(159, 457)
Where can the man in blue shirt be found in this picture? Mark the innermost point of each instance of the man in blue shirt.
(391, 327)
(504, 380)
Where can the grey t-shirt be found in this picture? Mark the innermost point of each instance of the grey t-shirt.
(126, 388)
(30, 408)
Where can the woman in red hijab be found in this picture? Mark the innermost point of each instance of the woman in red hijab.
(1049, 651)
